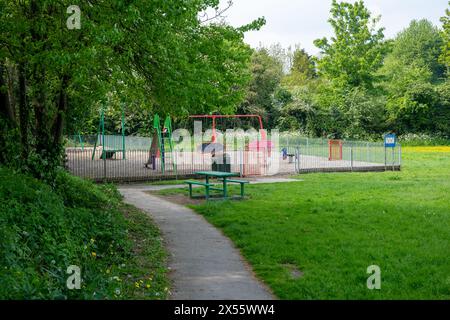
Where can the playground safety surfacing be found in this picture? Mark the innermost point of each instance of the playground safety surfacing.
(181, 165)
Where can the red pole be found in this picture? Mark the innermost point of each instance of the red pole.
(214, 129)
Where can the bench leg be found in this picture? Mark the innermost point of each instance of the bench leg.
(242, 190)
(207, 192)
(190, 191)
(225, 191)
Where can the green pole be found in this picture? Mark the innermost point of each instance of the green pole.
(81, 141)
(102, 122)
(123, 133)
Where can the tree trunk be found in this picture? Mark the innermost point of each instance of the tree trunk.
(12, 78)
(62, 109)
(6, 107)
(24, 113)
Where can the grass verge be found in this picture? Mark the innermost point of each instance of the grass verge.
(315, 239)
(45, 230)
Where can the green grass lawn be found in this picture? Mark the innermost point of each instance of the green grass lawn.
(331, 227)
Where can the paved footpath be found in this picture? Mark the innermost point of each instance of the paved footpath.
(204, 263)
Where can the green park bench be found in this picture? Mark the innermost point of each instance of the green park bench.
(224, 177)
(242, 183)
(208, 187)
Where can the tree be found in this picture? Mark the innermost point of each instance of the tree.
(356, 51)
(445, 57)
(302, 70)
(267, 72)
(420, 45)
(410, 72)
(156, 52)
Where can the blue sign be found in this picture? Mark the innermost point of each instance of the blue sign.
(390, 141)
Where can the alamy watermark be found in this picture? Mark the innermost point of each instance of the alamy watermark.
(374, 281)
(74, 279)
(236, 146)
(74, 21)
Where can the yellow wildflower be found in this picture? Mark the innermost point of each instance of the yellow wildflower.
(427, 149)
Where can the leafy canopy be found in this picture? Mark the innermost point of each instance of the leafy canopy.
(445, 58)
(356, 50)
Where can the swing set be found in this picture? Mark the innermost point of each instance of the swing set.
(261, 143)
(110, 144)
(162, 145)
(256, 152)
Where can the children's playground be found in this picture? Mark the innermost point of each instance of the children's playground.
(167, 154)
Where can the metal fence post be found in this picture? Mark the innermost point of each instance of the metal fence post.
(351, 155)
(241, 163)
(298, 160)
(368, 153)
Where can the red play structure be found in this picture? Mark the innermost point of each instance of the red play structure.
(335, 150)
(260, 143)
(215, 117)
(257, 150)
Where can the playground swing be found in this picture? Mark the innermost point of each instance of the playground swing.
(162, 144)
(110, 144)
(261, 141)
(256, 151)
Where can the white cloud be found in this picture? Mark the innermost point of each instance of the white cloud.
(290, 22)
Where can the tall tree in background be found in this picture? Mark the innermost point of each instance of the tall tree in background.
(345, 96)
(419, 45)
(267, 72)
(356, 51)
(412, 73)
(445, 57)
(302, 69)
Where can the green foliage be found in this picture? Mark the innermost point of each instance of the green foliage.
(266, 77)
(298, 111)
(146, 55)
(417, 98)
(418, 45)
(343, 101)
(302, 70)
(367, 87)
(355, 51)
(445, 57)
(418, 140)
(44, 231)
(412, 111)
(349, 113)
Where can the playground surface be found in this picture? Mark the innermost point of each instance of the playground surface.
(132, 168)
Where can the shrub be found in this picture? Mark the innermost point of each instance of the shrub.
(43, 231)
(412, 140)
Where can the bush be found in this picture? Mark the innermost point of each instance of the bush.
(43, 231)
(413, 140)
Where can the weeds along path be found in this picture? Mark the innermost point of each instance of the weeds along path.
(204, 263)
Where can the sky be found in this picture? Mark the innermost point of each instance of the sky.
(291, 22)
